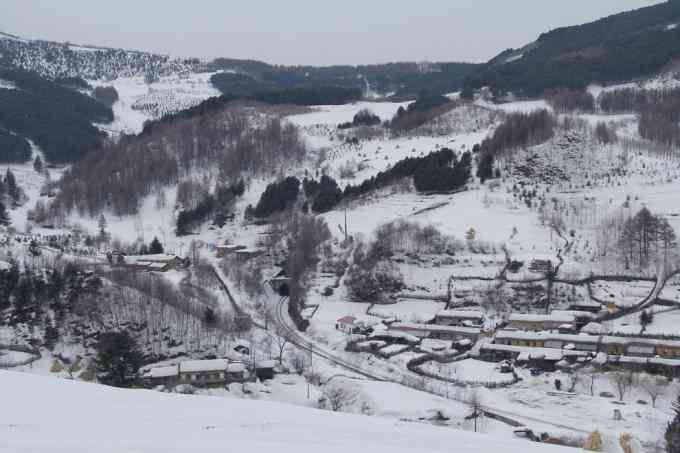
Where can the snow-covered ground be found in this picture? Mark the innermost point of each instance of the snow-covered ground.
(66, 416)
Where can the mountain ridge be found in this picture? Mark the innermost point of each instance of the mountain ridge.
(616, 48)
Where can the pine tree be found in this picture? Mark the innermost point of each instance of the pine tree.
(156, 248)
(672, 434)
(12, 188)
(118, 359)
(4, 216)
(38, 164)
(102, 224)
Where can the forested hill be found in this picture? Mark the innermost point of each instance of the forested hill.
(405, 79)
(54, 60)
(57, 119)
(621, 47)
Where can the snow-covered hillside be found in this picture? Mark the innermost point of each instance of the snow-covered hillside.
(44, 414)
(141, 101)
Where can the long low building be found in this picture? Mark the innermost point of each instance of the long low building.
(536, 322)
(640, 347)
(452, 333)
(198, 373)
(611, 345)
(459, 317)
(498, 352)
(551, 340)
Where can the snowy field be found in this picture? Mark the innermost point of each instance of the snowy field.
(57, 416)
(409, 310)
(139, 102)
(469, 370)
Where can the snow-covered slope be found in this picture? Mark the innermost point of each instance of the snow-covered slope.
(44, 414)
(54, 60)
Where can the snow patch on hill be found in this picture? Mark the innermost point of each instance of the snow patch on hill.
(140, 102)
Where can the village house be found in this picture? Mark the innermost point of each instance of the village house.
(610, 345)
(164, 375)
(437, 332)
(541, 266)
(543, 358)
(351, 325)
(548, 340)
(150, 263)
(280, 284)
(244, 255)
(459, 318)
(226, 249)
(200, 373)
(534, 322)
(641, 347)
(211, 372)
(264, 369)
(345, 324)
(586, 306)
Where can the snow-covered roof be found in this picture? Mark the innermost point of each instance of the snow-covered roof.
(545, 336)
(407, 326)
(162, 372)
(574, 313)
(347, 320)
(265, 364)
(534, 352)
(593, 328)
(640, 341)
(640, 349)
(553, 317)
(159, 258)
(461, 314)
(197, 366)
(236, 367)
(396, 334)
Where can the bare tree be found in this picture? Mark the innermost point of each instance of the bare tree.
(574, 378)
(591, 375)
(338, 395)
(280, 338)
(622, 381)
(654, 386)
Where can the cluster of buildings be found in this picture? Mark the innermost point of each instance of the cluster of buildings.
(449, 325)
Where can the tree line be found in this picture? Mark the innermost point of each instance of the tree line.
(218, 205)
(565, 100)
(644, 237)
(57, 119)
(247, 87)
(518, 130)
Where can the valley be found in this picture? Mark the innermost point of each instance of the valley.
(230, 254)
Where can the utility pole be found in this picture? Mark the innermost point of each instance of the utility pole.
(311, 366)
(346, 223)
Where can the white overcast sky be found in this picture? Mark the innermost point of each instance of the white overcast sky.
(318, 32)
